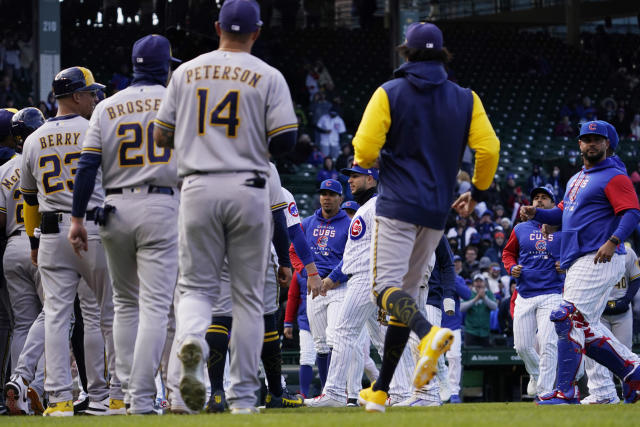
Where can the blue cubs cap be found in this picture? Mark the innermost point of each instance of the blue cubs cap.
(612, 134)
(358, 169)
(151, 50)
(547, 189)
(350, 204)
(423, 35)
(331, 184)
(594, 128)
(240, 16)
(5, 122)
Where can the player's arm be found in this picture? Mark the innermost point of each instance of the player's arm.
(164, 124)
(293, 302)
(372, 132)
(483, 140)
(299, 241)
(280, 238)
(462, 289)
(337, 276)
(162, 136)
(85, 181)
(283, 142)
(3, 219)
(28, 188)
(444, 258)
(551, 216)
(510, 252)
(624, 200)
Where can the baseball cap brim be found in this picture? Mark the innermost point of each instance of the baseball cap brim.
(542, 190)
(91, 87)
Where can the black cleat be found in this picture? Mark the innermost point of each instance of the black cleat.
(217, 402)
(285, 401)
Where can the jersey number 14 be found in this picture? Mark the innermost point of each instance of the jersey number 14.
(225, 113)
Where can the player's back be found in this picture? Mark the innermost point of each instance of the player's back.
(226, 105)
(49, 162)
(10, 196)
(121, 130)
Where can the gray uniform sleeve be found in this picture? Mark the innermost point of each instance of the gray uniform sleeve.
(166, 117)
(92, 142)
(280, 115)
(28, 183)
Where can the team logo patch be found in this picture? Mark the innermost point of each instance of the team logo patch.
(322, 241)
(293, 209)
(541, 245)
(358, 228)
(593, 126)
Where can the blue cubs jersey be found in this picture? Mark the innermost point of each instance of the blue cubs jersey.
(326, 239)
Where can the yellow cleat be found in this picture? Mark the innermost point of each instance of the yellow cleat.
(59, 409)
(437, 342)
(373, 401)
(117, 407)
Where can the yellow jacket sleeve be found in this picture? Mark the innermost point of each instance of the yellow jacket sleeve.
(372, 132)
(483, 140)
(31, 217)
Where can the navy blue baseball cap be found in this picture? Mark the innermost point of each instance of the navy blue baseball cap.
(5, 122)
(594, 128)
(350, 204)
(423, 35)
(240, 16)
(152, 50)
(358, 169)
(332, 185)
(547, 189)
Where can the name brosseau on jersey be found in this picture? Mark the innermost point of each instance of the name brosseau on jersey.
(132, 107)
(56, 139)
(219, 72)
(358, 228)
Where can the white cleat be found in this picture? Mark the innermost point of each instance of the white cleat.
(98, 407)
(245, 411)
(592, 399)
(324, 401)
(532, 387)
(16, 396)
(419, 401)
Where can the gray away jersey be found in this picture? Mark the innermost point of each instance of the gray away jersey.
(49, 161)
(10, 196)
(121, 130)
(631, 273)
(223, 107)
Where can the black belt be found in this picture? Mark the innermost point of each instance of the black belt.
(49, 223)
(153, 189)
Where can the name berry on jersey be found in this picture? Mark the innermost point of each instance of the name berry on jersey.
(55, 139)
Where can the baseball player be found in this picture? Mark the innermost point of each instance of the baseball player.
(218, 332)
(23, 280)
(618, 318)
(140, 234)
(599, 211)
(357, 309)
(49, 162)
(531, 256)
(227, 110)
(350, 207)
(326, 235)
(422, 150)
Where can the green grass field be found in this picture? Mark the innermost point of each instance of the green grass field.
(468, 414)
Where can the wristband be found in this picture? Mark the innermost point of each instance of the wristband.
(614, 240)
(313, 274)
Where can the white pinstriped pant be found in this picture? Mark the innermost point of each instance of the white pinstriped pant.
(587, 286)
(454, 359)
(359, 310)
(533, 314)
(600, 379)
(307, 348)
(322, 313)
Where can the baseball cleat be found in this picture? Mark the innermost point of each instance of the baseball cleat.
(592, 399)
(631, 386)
(373, 401)
(59, 409)
(532, 387)
(284, 401)
(192, 387)
(82, 403)
(15, 394)
(323, 401)
(437, 342)
(418, 401)
(245, 411)
(352, 403)
(116, 407)
(455, 398)
(217, 402)
(98, 408)
(557, 397)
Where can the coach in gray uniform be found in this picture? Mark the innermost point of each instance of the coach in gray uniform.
(227, 109)
(141, 234)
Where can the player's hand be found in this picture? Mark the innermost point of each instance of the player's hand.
(34, 257)
(618, 306)
(465, 204)
(558, 268)
(78, 236)
(284, 276)
(288, 333)
(314, 284)
(527, 212)
(329, 284)
(516, 270)
(605, 252)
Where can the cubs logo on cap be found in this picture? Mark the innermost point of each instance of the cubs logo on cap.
(350, 204)
(357, 169)
(293, 209)
(357, 229)
(594, 128)
(332, 185)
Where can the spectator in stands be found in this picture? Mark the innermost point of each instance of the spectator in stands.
(457, 264)
(564, 128)
(570, 109)
(42, 106)
(483, 266)
(492, 195)
(518, 199)
(621, 122)
(319, 107)
(494, 280)
(634, 127)
(463, 231)
(470, 261)
(486, 226)
(52, 104)
(535, 180)
(311, 81)
(331, 126)
(499, 213)
(452, 237)
(508, 190)
(506, 227)
(324, 78)
(302, 118)
(8, 91)
(635, 178)
(494, 252)
(328, 170)
(555, 182)
(478, 309)
(345, 159)
(608, 108)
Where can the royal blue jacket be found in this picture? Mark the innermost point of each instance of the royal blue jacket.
(326, 239)
(442, 279)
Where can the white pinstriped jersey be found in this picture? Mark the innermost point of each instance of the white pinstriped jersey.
(121, 130)
(49, 161)
(291, 213)
(356, 252)
(223, 107)
(10, 196)
(631, 272)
